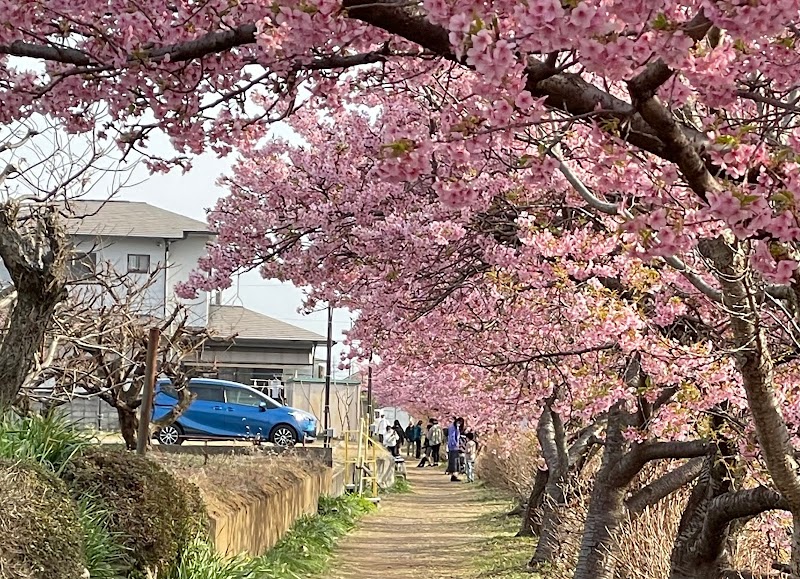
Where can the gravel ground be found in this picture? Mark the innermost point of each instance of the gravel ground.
(433, 532)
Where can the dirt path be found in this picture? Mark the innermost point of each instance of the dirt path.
(429, 533)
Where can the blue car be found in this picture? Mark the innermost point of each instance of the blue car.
(225, 410)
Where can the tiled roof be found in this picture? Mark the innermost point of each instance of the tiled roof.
(128, 219)
(226, 321)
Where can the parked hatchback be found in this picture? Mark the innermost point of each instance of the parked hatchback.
(225, 410)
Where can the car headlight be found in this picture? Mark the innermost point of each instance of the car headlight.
(299, 415)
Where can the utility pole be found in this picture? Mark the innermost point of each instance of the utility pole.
(328, 363)
(146, 408)
(370, 410)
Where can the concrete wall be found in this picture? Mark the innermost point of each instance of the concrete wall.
(253, 524)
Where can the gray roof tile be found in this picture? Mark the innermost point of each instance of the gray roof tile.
(225, 321)
(128, 219)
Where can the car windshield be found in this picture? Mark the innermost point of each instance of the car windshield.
(168, 389)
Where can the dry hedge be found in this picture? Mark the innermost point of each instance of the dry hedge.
(154, 513)
(40, 534)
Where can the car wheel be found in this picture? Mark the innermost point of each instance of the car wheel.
(170, 435)
(283, 435)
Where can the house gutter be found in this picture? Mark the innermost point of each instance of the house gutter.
(167, 243)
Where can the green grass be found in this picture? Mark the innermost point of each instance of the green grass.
(401, 486)
(503, 555)
(105, 556)
(303, 552)
(50, 441)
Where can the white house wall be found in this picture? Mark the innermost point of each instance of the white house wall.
(115, 251)
(182, 256)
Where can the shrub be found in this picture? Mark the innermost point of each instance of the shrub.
(154, 514)
(51, 441)
(40, 534)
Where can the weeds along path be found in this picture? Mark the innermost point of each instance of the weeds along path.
(433, 532)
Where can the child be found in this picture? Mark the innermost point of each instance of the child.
(470, 454)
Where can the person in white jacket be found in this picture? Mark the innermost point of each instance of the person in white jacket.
(390, 440)
(380, 427)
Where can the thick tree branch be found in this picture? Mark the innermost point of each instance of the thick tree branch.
(645, 452)
(664, 486)
(742, 504)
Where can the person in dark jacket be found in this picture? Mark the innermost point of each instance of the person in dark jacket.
(401, 435)
(409, 437)
(416, 437)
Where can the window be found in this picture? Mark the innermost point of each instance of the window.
(168, 389)
(81, 265)
(245, 397)
(138, 263)
(208, 393)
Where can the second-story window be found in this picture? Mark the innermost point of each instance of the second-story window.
(138, 263)
(81, 266)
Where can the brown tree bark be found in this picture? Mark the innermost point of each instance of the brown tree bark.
(754, 360)
(34, 250)
(699, 551)
(606, 506)
(128, 424)
(531, 518)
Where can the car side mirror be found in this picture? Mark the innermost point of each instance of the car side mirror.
(262, 406)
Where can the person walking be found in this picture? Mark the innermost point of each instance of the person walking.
(435, 438)
(409, 437)
(426, 459)
(453, 435)
(470, 455)
(416, 434)
(390, 440)
(381, 425)
(401, 436)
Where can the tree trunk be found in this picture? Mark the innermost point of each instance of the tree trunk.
(553, 442)
(755, 364)
(34, 252)
(31, 317)
(695, 553)
(606, 507)
(531, 518)
(128, 424)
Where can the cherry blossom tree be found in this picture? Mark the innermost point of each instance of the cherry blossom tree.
(667, 128)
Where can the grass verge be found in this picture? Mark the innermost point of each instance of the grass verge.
(503, 555)
(303, 552)
(401, 486)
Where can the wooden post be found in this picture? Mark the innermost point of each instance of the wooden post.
(146, 408)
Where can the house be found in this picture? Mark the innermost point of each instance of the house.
(139, 239)
(144, 241)
(252, 348)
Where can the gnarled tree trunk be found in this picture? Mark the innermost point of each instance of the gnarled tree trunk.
(531, 518)
(34, 250)
(606, 506)
(754, 360)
